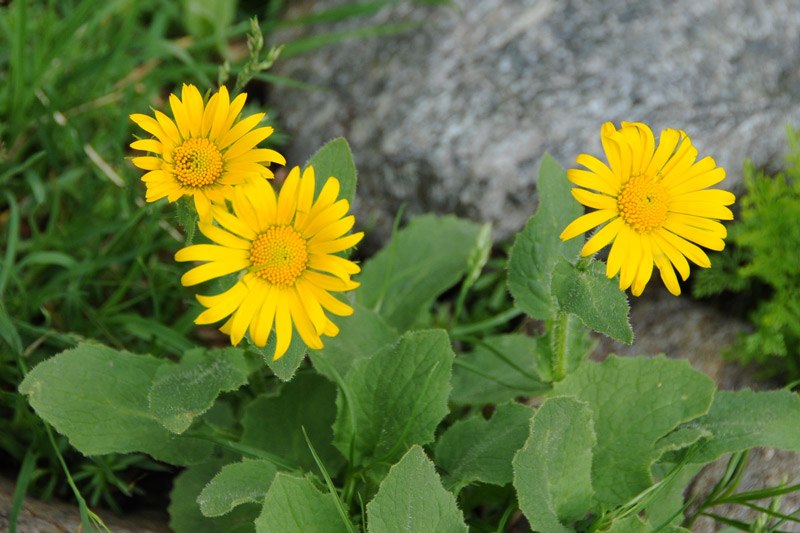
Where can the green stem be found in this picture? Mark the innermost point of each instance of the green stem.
(490, 323)
(560, 328)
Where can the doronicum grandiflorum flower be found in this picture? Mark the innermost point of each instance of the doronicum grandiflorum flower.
(205, 151)
(284, 247)
(654, 202)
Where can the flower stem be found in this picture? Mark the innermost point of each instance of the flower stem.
(560, 332)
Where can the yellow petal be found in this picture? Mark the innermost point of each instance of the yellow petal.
(329, 302)
(318, 220)
(233, 112)
(148, 145)
(335, 229)
(331, 247)
(699, 236)
(169, 127)
(151, 126)
(645, 269)
(283, 326)
(711, 196)
(220, 113)
(619, 250)
(239, 130)
(611, 148)
(717, 229)
(212, 270)
(682, 174)
(602, 237)
(305, 197)
(193, 102)
(221, 305)
(601, 171)
(692, 252)
(232, 223)
(632, 261)
(590, 180)
(262, 325)
(586, 222)
(673, 254)
(210, 252)
(665, 269)
(591, 199)
(223, 237)
(311, 304)
(180, 114)
(702, 181)
(666, 147)
(682, 159)
(247, 310)
(287, 199)
(701, 209)
(148, 162)
(328, 283)
(208, 115)
(302, 323)
(244, 209)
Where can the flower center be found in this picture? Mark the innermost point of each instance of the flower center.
(197, 162)
(643, 203)
(279, 255)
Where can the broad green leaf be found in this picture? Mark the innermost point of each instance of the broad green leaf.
(744, 419)
(235, 484)
(97, 397)
(597, 300)
(335, 160)
(412, 499)
(500, 369)
(665, 508)
(552, 472)
(187, 218)
(538, 246)
(287, 364)
(477, 449)
(398, 396)
(361, 335)
(182, 392)
(294, 504)
(275, 423)
(635, 402)
(422, 261)
(184, 509)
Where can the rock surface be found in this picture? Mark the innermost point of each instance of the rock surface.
(58, 517)
(455, 115)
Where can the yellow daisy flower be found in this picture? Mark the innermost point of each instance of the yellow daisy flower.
(205, 151)
(653, 201)
(285, 248)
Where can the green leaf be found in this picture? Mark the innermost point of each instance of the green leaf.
(235, 484)
(182, 392)
(8, 332)
(335, 160)
(552, 471)
(501, 368)
(592, 296)
(294, 504)
(538, 246)
(666, 507)
(635, 402)
(579, 344)
(184, 509)
(422, 261)
(274, 423)
(398, 396)
(744, 419)
(412, 499)
(477, 449)
(287, 364)
(187, 218)
(629, 524)
(97, 397)
(361, 335)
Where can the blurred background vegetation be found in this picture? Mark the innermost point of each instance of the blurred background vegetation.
(83, 257)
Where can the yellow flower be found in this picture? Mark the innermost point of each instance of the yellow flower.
(285, 249)
(654, 201)
(205, 151)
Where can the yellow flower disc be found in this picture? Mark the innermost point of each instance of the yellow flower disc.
(197, 162)
(280, 255)
(643, 203)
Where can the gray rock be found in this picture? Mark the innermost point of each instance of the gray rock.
(455, 115)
